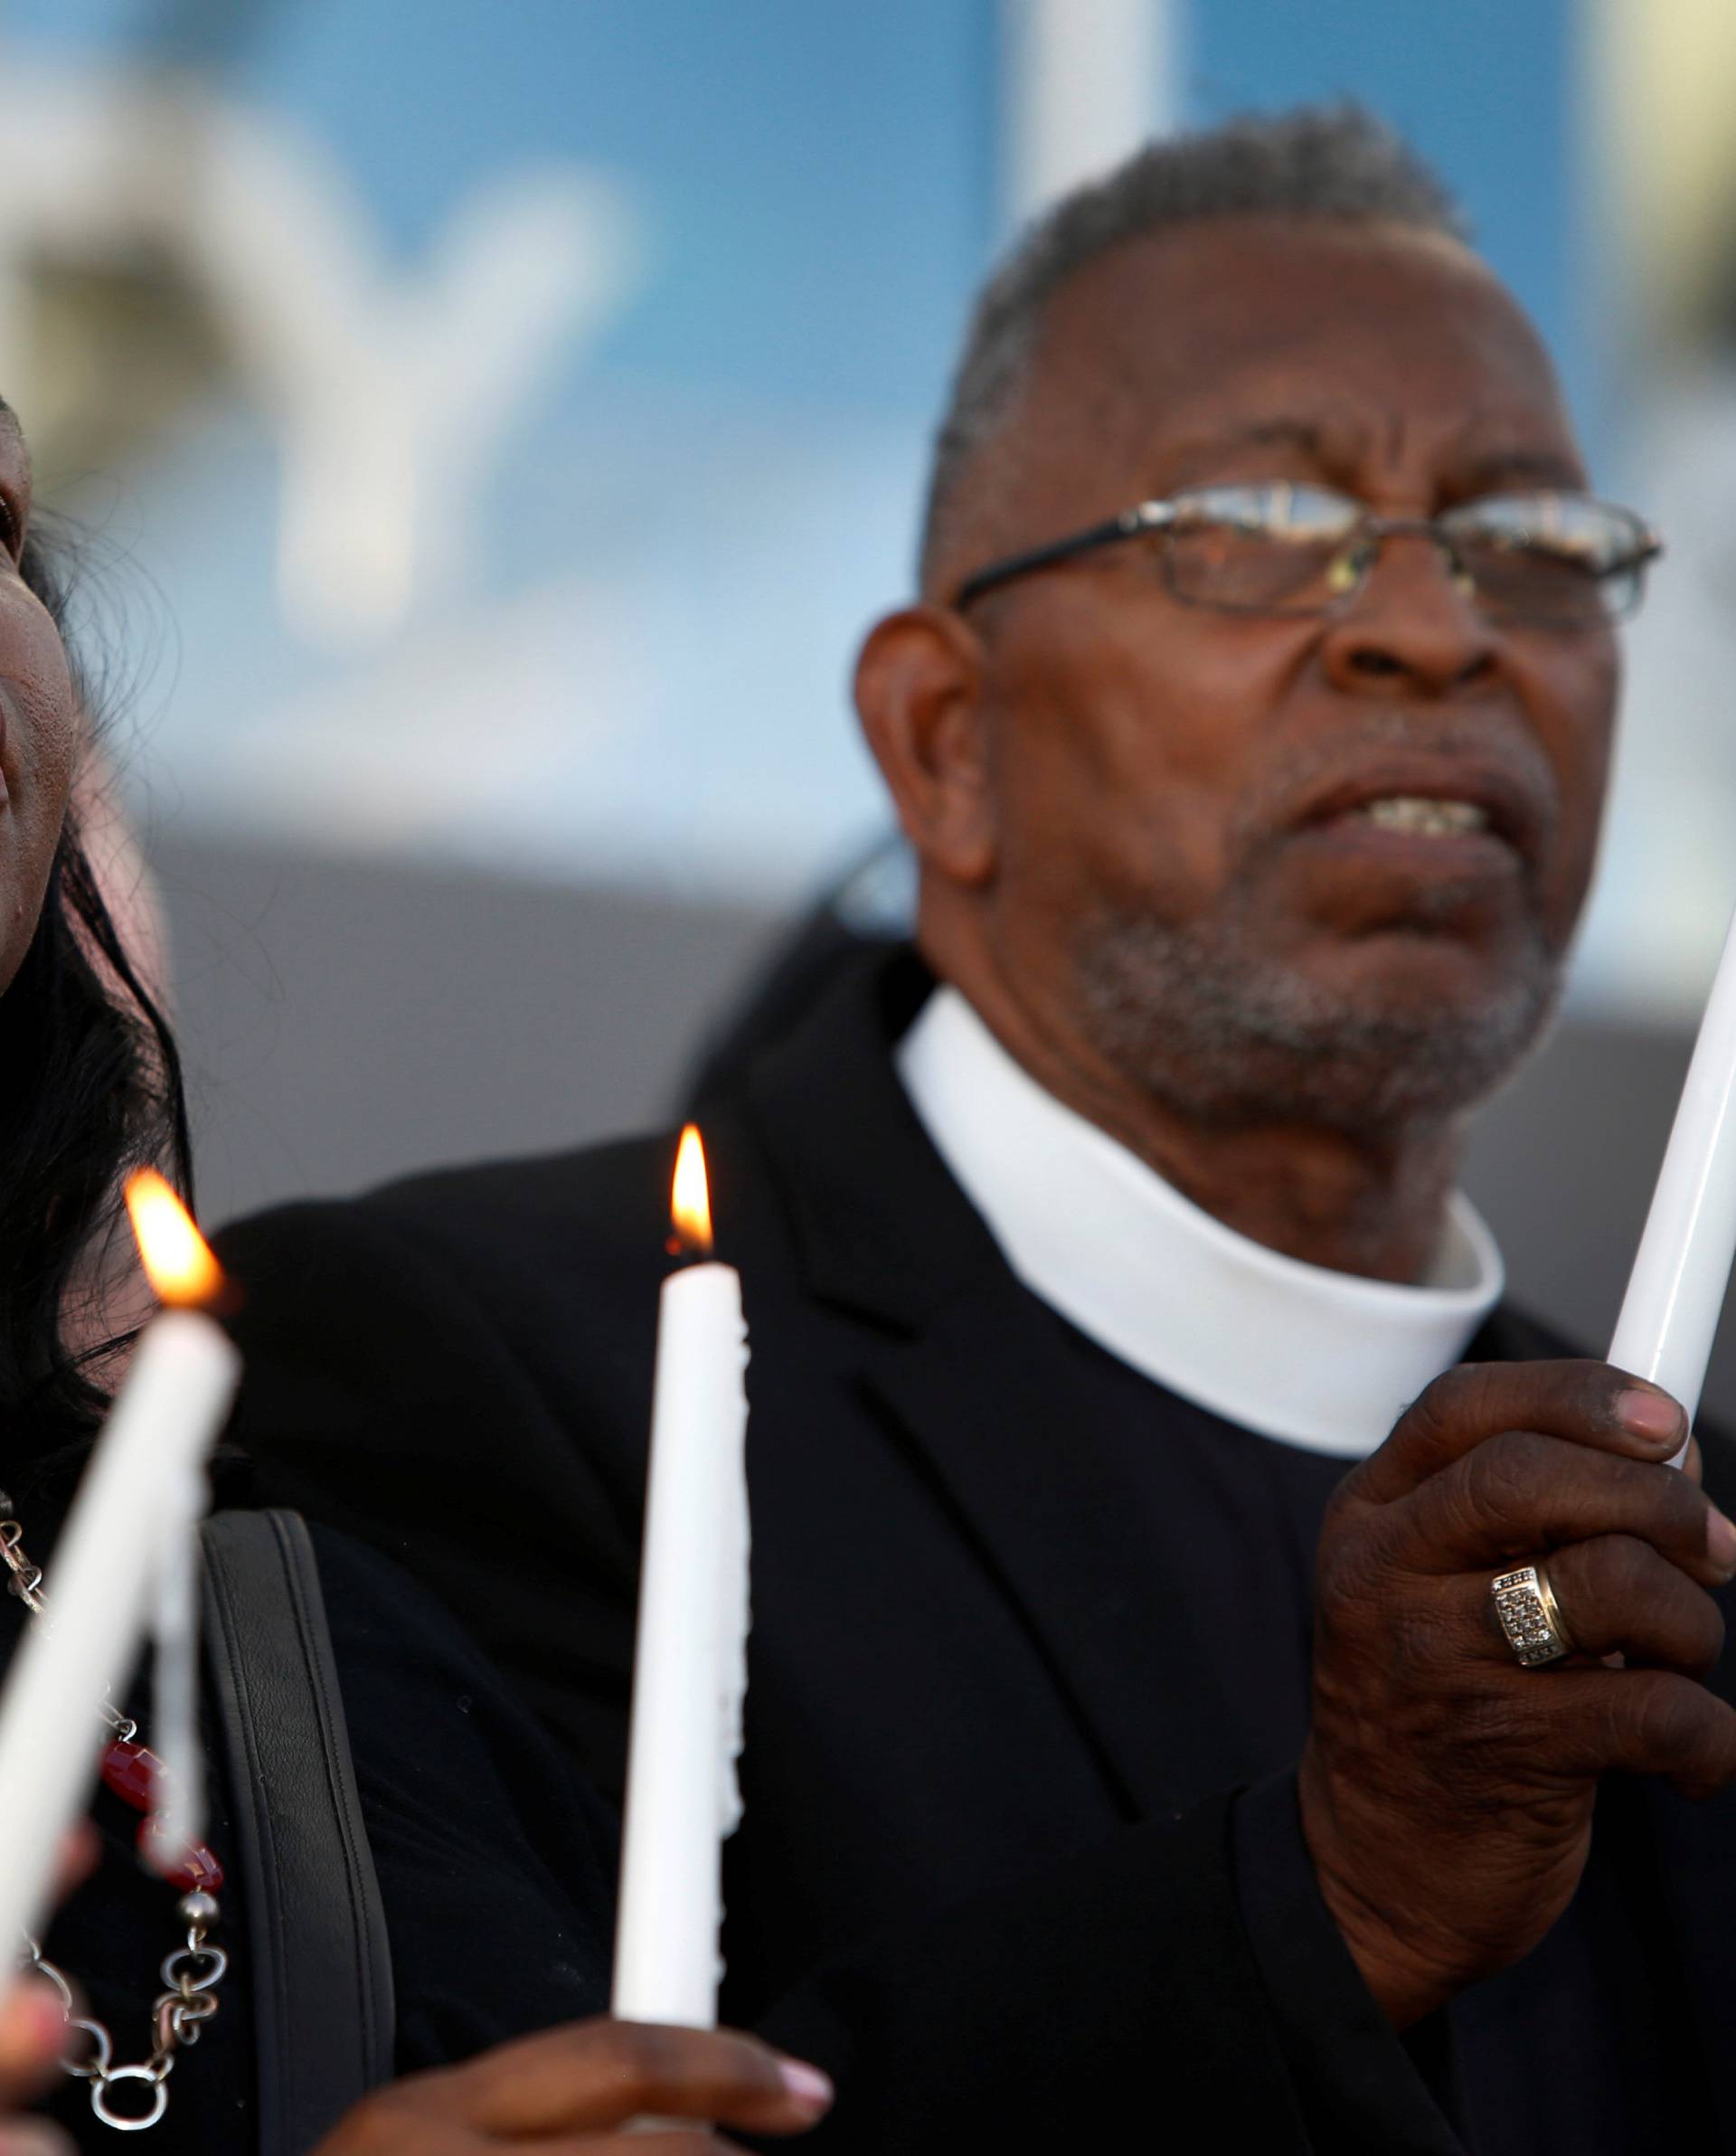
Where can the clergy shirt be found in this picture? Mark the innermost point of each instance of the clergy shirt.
(1317, 1358)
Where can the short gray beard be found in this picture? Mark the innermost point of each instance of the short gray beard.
(1201, 1018)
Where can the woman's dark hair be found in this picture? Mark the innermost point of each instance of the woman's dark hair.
(89, 1086)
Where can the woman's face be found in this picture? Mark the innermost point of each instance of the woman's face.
(39, 721)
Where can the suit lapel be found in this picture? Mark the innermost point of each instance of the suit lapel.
(969, 1376)
(1045, 1517)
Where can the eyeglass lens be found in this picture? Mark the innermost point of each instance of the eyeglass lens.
(1294, 549)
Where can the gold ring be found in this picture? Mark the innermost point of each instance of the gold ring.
(1530, 1616)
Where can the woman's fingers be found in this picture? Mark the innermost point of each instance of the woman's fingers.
(33, 2137)
(79, 1848)
(566, 2085)
(32, 2029)
(604, 2072)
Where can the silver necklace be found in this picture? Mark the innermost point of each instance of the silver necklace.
(191, 1973)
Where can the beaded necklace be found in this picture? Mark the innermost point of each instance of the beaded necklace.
(190, 1974)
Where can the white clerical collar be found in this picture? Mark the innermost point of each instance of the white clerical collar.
(1323, 1360)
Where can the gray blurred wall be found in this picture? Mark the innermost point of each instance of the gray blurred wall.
(346, 1021)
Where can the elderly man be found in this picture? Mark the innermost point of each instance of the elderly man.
(1251, 733)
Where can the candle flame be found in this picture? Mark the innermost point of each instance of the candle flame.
(691, 1202)
(176, 1257)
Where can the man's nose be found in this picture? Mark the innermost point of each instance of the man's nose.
(1412, 627)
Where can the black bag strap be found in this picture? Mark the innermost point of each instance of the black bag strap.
(317, 1933)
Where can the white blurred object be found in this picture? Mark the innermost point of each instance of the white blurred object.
(1651, 936)
(1087, 83)
(1682, 1269)
(391, 389)
(179, 1791)
(168, 1414)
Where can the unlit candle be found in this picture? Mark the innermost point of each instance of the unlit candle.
(1682, 1268)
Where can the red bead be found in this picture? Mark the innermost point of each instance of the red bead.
(131, 1772)
(198, 1872)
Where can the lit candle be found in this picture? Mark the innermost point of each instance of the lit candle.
(690, 1664)
(1682, 1268)
(107, 1564)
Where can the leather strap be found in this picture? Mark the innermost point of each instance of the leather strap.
(316, 1934)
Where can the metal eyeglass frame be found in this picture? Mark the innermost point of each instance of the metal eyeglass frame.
(1363, 542)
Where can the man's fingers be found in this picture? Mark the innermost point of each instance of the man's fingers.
(603, 2073)
(1618, 1596)
(1585, 1402)
(1520, 1495)
(1642, 1722)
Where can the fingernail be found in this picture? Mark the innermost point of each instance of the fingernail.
(811, 2089)
(1721, 1540)
(1650, 1414)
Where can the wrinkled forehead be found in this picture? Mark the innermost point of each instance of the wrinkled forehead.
(1399, 349)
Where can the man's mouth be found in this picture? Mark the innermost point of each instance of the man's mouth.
(1483, 801)
(1423, 816)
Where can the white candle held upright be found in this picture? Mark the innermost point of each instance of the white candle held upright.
(1682, 1268)
(690, 1664)
(106, 1566)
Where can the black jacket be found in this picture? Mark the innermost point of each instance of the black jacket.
(965, 1881)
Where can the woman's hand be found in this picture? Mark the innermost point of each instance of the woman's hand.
(32, 2031)
(583, 2088)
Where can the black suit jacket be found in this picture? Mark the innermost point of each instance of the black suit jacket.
(964, 1882)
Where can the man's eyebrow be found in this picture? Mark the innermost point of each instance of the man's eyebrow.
(1533, 468)
(1309, 438)
(1295, 432)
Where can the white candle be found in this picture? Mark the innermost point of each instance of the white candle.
(180, 1794)
(690, 1664)
(1682, 1268)
(169, 1411)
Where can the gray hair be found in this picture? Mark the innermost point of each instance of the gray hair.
(1335, 163)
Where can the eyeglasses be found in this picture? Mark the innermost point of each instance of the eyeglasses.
(1546, 560)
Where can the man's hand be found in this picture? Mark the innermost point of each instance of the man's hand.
(581, 2088)
(1445, 1792)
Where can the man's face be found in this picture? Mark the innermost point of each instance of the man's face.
(1186, 879)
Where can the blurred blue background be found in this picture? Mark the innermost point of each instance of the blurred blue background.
(599, 618)
(497, 425)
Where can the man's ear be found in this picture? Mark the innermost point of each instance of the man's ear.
(919, 694)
